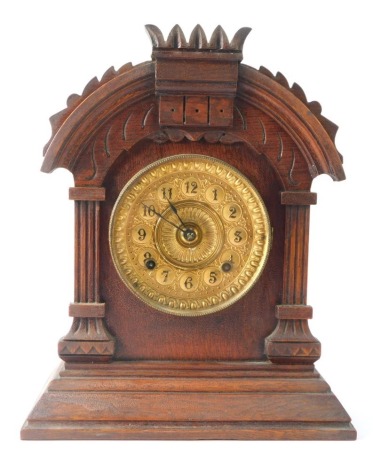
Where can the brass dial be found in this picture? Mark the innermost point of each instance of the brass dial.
(189, 235)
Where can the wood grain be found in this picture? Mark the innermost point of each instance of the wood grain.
(234, 333)
(245, 372)
(169, 407)
(36, 430)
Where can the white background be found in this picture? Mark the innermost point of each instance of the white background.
(50, 49)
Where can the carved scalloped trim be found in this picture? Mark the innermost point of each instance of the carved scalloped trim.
(74, 100)
(313, 106)
(177, 135)
(295, 350)
(176, 39)
(86, 348)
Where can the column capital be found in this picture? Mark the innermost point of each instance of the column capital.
(87, 310)
(298, 198)
(293, 312)
(87, 193)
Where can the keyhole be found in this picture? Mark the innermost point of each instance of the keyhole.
(150, 264)
(226, 267)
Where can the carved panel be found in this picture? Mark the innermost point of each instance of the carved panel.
(251, 127)
(120, 134)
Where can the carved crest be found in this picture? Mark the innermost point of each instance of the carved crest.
(228, 103)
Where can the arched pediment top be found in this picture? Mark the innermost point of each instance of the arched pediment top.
(85, 114)
(115, 113)
(288, 106)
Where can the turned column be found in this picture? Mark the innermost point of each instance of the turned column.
(292, 342)
(88, 340)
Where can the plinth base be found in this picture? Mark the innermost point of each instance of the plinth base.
(188, 400)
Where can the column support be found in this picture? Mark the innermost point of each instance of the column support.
(292, 342)
(88, 339)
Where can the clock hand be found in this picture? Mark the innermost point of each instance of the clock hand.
(189, 234)
(174, 210)
(164, 218)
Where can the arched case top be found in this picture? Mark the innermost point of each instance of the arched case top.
(194, 90)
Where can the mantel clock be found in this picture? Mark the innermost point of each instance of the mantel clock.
(192, 192)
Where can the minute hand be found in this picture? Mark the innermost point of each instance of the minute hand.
(164, 218)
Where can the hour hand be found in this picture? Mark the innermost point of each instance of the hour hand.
(164, 218)
(174, 210)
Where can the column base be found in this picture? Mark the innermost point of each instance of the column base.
(292, 341)
(87, 341)
(284, 352)
(86, 351)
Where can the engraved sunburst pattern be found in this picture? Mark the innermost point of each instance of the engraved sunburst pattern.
(189, 235)
(209, 236)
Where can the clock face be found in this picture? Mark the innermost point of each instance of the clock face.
(189, 235)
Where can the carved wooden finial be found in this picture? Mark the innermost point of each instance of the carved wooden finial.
(156, 35)
(198, 38)
(176, 38)
(239, 38)
(196, 81)
(219, 40)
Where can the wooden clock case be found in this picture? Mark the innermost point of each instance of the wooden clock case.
(246, 372)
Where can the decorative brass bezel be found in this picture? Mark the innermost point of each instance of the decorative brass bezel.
(230, 254)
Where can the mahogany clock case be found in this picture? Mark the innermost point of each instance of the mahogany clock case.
(245, 372)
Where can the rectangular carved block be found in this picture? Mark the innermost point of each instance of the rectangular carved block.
(184, 73)
(221, 111)
(196, 110)
(171, 110)
(177, 110)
